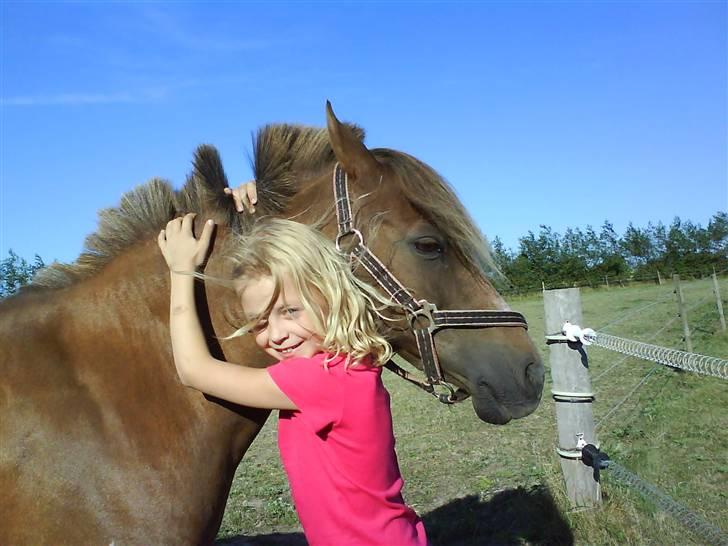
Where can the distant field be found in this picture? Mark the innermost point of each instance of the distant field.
(478, 484)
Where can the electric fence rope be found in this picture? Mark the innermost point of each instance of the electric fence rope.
(693, 362)
(620, 361)
(644, 379)
(650, 338)
(709, 532)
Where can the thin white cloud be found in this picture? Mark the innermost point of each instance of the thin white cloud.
(168, 27)
(81, 99)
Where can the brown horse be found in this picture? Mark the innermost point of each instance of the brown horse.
(99, 441)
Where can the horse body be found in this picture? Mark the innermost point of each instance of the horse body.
(100, 443)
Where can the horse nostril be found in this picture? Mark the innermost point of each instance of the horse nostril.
(535, 374)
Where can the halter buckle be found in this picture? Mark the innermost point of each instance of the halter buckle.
(351, 232)
(424, 314)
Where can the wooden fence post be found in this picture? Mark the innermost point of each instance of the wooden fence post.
(716, 290)
(683, 312)
(659, 278)
(573, 396)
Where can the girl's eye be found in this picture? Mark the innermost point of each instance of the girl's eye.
(291, 311)
(429, 247)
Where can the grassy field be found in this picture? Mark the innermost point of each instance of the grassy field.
(478, 484)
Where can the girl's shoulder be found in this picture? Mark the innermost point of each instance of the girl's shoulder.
(365, 364)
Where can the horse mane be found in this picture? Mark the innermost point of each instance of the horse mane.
(284, 157)
(282, 153)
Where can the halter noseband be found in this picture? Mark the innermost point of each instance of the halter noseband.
(424, 317)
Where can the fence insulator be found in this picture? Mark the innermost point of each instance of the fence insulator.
(591, 456)
(706, 365)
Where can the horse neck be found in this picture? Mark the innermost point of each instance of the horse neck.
(132, 293)
(117, 336)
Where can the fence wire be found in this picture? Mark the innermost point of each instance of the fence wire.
(709, 532)
(630, 314)
(629, 394)
(706, 365)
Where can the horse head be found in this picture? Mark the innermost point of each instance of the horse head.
(416, 226)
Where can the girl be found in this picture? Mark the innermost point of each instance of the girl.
(306, 309)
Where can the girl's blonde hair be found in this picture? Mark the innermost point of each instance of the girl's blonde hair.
(345, 310)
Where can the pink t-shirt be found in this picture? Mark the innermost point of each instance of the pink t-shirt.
(338, 452)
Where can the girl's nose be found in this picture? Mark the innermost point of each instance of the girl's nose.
(276, 333)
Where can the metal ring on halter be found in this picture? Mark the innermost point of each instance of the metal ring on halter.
(352, 231)
(445, 397)
(426, 309)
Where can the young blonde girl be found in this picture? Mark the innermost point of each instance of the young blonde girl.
(305, 309)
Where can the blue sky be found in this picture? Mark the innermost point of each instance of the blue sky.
(557, 113)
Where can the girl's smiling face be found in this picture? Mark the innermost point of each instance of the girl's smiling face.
(288, 330)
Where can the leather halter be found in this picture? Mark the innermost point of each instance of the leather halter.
(424, 317)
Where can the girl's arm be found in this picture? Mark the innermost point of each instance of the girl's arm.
(195, 365)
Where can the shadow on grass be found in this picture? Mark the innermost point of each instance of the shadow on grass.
(514, 516)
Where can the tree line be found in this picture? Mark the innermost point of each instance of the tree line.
(578, 257)
(16, 272)
(591, 257)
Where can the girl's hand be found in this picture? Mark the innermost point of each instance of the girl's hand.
(245, 196)
(181, 250)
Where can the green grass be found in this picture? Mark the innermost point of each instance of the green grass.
(476, 483)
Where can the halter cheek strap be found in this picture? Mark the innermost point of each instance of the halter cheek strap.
(424, 318)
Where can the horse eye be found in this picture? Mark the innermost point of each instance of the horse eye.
(429, 246)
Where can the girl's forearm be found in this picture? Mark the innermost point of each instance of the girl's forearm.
(189, 347)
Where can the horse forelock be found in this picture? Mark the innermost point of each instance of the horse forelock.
(431, 195)
(286, 156)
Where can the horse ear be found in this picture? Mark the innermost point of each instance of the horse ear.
(355, 158)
